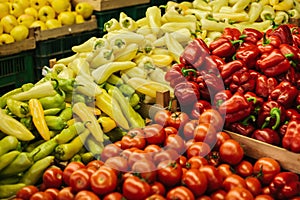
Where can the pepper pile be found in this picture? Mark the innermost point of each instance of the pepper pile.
(250, 77)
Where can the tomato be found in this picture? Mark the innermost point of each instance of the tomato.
(213, 158)
(69, 169)
(135, 189)
(205, 132)
(221, 138)
(95, 163)
(178, 119)
(152, 148)
(53, 177)
(41, 196)
(205, 197)
(104, 180)
(110, 150)
(156, 197)
(118, 163)
(253, 185)
(180, 193)
(195, 162)
(244, 168)
(266, 168)
(214, 178)
(162, 117)
(198, 149)
(212, 117)
(80, 180)
(26, 192)
(233, 181)
(113, 196)
(138, 155)
(218, 194)
(225, 170)
(146, 169)
(175, 142)
(53, 192)
(170, 130)
(134, 138)
(231, 152)
(158, 188)
(86, 195)
(239, 193)
(264, 197)
(169, 173)
(182, 161)
(188, 129)
(65, 194)
(196, 181)
(155, 134)
(168, 154)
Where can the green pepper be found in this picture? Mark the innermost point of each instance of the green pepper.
(94, 146)
(8, 143)
(43, 150)
(10, 180)
(115, 80)
(27, 86)
(134, 100)
(76, 97)
(55, 122)
(116, 134)
(29, 147)
(87, 157)
(27, 121)
(66, 114)
(76, 158)
(7, 158)
(5, 96)
(7, 191)
(35, 172)
(69, 133)
(66, 151)
(54, 101)
(52, 111)
(66, 85)
(126, 90)
(21, 163)
(18, 108)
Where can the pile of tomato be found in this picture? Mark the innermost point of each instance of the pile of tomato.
(174, 157)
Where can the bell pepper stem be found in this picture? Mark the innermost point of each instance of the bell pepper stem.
(246, 120)
(275, 113)
(185, 72)
(252, 99)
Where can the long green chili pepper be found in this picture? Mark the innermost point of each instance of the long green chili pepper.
(87, 157)
(55, 101)
(4, 97)
(43, 150)
(66, 85)
(66, 114)
(29, 147)
(7, 158)
(55, 122)
(7, 191)
(65, 152)
(21, 163)
(52, 111)
(69, 133)
(10, 180)
(94, 146)
(8, 143)
(35, 172)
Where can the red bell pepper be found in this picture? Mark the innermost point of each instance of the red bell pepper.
(264, 85)
(291, 138)
(221, 97)
(267, 135)
(248, 54)
(174, 75)
(231, 33)
(271, 114)
(223, 47)
(229, 68)
(285, 185)
(235, 108)
(255, 101)
(292, 114)
(187, 93)
(243, 81)
(291, 76)
(274, 63)
(199, 107)
(268, 43)
(252, 35)
(284, 93)
(283, 31)
(245, 127)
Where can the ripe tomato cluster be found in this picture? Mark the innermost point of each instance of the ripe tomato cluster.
(172, 158)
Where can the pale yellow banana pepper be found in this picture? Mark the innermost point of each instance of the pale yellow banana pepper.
(107, 123)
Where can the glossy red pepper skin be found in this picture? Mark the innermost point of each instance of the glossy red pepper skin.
(221, 97)
(283, 31)
(231, 33)
(271, 115)
(252, 35)
(240, 128)
(268, 43)
(291, 138)
(229, 68)
(292, 114)
(222, 47)
(291, 53)
(284, 93)
(285, 185)
(187, 93)
(199, 107)
(264, 85)
(209, 85)
(248, 53)
(243, 81)
(274, 63)
(174, 75)
(255, 101)
(267, 135)
(235, 108)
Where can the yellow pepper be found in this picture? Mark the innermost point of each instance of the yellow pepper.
(162, 60)
(174, 16)
(153, 15)
(107, 123)
(38, 118)
(127, 22)
(284, 5)
(201, 5)
(111, 25)
(87, 46)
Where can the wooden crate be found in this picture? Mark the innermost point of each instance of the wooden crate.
(100, 5)
(66, 30)
(17, 47)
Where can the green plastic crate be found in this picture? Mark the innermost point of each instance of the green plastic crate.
(16, 70)
(58, 48)
(159, 2)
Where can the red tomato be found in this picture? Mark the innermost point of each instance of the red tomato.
(162, 117)
(156, 197)
(266, 168)
(214, 178)
(204, 197)
(196, 181)
(135, 189)
(225, 170)
(69, 169)
(218, 194)
(113, 196)
(213, 158)
(195, 162)
(178, 120)
(155, 134)
(65, 194)
(198, 149)
(104, 180)
(188, 129)
(180, 193)
(134, 138)
(182, 161)
(212, 117)
(26, 192)
(233, 181)
(118, 163)
(170, 130)
(41, 196)
(231, 152)
(244, 168)
(168, 154)
(146, 169)
(53, 192)
(253, 185)
(175, 142)
(138, 155)
(158, 188)
(53, 177)
(205, 132)
(152, 148)
(264, 197)
(86, 195)
(169, 173)
(239, 193)
(95, 163)
(80, 180)
(221, 138)
(110, 150)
